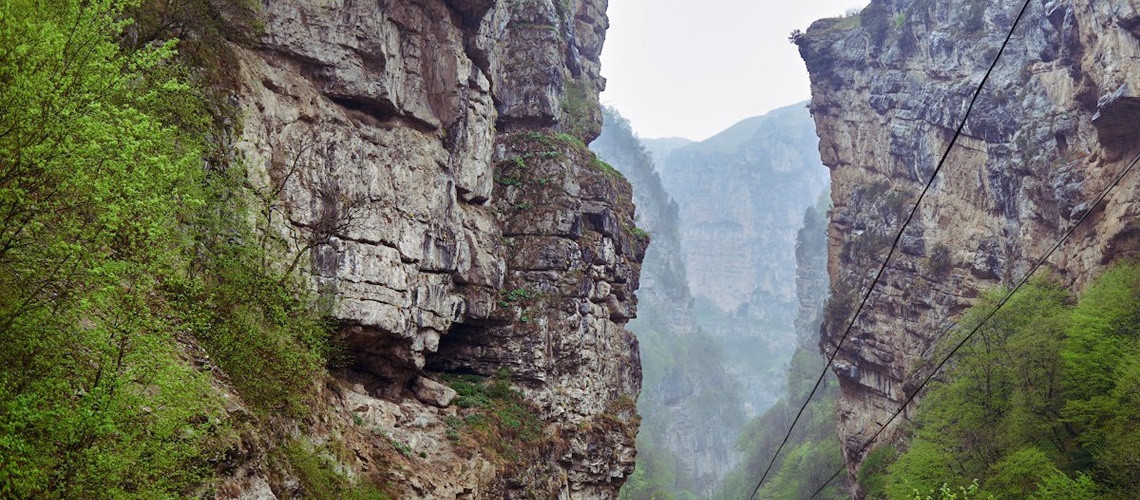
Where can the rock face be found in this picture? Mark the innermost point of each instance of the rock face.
(742, 195)
(811, 274)
(1055, 123)
(687, 386)
(425, 157)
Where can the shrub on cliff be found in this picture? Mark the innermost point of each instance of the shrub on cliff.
(119, 259)
(1042, 403)
(94, 401)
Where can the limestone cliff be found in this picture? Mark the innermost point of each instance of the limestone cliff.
(742, 195)
(1057, 120)
(425, 158)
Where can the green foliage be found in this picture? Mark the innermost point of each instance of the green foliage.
(653, 477)
(1056, 485)
(517, 296)
(812, 454)
(668, 358)
(580, 112)
(320, 476)
(945, 492)
(495, 416)
(271, 343)
(1102, 378)
(401, 447)
(922, 468)
(1042, 403)
(639, 233)
(201, 30)
(92, 185)
(606, 168)
(805, 467)
(508, 180)
(120, 258)
(873, 471)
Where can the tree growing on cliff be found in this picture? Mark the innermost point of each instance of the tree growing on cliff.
(1042, 403)
(125, 281)
(92, 184)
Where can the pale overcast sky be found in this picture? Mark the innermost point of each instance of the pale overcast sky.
(684, 68)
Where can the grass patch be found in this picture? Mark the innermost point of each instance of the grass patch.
(320, 478)
(579, 111)
(518, 295)
(606, 168)
(494, 417)
(638, 233)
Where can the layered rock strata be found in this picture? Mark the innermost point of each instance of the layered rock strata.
(1055, 123)
(425, 158)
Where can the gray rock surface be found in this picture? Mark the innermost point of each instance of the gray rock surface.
(741, 196)
(1056, 121)
(380, 138)
(432, 392)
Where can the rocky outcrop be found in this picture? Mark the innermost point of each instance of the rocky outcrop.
(425, 158)
(741, 196)
(1055, 123)
(689, 403)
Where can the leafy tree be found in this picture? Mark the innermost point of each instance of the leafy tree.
(1042, 403)
(120, 259)
(812, 453)
(1102, 382)
(92, 186)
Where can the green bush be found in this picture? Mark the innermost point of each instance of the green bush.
(95, 399)
(1042, 403)
(120, 258)
(496, 416)
(873, 472)
(317, 470)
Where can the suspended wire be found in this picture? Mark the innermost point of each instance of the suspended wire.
(891, 252)
(1037, 266)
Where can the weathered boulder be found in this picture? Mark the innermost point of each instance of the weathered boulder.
(432, 392)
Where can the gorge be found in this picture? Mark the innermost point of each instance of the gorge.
(398, 249)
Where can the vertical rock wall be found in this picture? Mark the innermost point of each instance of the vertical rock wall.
(1057, 120)
(690, 404)
(741, 196)
(424, 158)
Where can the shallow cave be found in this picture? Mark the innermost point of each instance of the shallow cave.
(464, 350)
